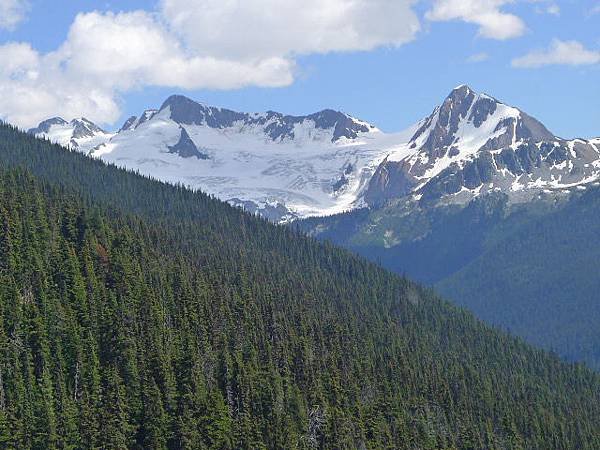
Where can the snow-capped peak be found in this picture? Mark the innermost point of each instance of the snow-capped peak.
(45, 126)
(473, 143)
(79, 134)
(478, 117)
(462, 87)
(284, 165)
(84, 128)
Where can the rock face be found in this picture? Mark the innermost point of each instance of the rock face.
(134, 121)
(520, 171)
(474, 144)
(329, 162)
(391, 180)
(83, 128)
(129, 124)
(186, 148)
(188, 112)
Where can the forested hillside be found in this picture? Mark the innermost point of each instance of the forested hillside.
(542, 280)
(134, 314)
(531, 269)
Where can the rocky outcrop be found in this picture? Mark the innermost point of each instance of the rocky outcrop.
(186, 148)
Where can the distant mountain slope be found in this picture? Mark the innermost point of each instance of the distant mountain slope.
(191, 324)
(542, 281)
(468, 193)
(285, 167)
(529, 268)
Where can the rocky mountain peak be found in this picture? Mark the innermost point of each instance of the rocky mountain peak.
(472, 144)
(83, 128)
(277, 126)
(185, 111)
(128, 124)
(80, 133)
(134, 121)
(343, 125)
(462, 94)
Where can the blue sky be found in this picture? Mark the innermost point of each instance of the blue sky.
(389, 65)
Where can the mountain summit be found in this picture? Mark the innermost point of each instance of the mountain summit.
(473, 144)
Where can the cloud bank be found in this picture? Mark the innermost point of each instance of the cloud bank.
(223, 44)
(189, 44)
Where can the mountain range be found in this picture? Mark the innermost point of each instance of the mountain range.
(287, 167)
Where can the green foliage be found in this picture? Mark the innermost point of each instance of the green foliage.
(139, 315)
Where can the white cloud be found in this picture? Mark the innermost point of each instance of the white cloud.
(487, 14)
(478, 57)
(189, 44)
(571, 53)
(105, 55)
(12, 12)
(35, 86)
(267, 28)
(595, 10)
(127, 50)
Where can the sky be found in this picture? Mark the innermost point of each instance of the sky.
(388, 62)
